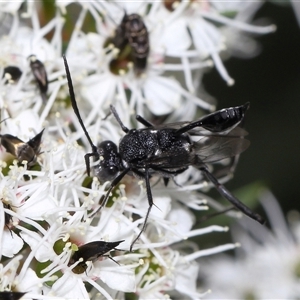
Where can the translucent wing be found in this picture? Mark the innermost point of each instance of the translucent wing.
(218, 146)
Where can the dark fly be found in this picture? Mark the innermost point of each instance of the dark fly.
(40, 75)
(21, 150)
(169, 150)
(14, 72)
(133, 32)
(91, 252)
(7, 295)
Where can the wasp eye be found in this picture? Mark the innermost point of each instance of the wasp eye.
(112, 171)
(106, 173)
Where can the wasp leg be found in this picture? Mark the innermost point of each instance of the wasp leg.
(150, 201)
(113, 184)
(215, 214)
(143, 121)
(231, 198)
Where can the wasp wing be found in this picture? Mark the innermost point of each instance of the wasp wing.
(200, 131)
(236, 132)
(213, 148)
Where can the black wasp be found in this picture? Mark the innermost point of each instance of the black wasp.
(21, 150)
(40, 75)
(169, 150)
(91, 252)
(133, 32)
(7, 295)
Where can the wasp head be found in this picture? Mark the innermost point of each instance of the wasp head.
(110, 161)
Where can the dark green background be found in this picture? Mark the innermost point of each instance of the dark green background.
(271, 83)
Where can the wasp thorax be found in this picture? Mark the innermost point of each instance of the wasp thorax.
(137, 146)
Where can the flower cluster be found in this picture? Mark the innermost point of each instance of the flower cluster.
(266, 267)
(145, 58)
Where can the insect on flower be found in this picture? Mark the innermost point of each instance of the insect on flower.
(21, 150)
(7, 295)
(168, 150)
(13, 72)
(133, 32)
(40, 75)
(91, 252)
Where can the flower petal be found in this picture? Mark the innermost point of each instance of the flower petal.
(162, 96)
(11, 243)
(118, 278)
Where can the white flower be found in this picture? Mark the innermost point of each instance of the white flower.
(11, 7)
(53, 207)
(17, 46)
(199, 20)
(160, 94)
(267, 264)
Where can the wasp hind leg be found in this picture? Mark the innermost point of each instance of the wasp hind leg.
(230, 197)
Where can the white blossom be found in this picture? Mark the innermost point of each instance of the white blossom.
(51, 208)
(265, 267)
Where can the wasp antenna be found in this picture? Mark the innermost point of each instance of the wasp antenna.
(74, 103)
(143, 121)
(114, 112)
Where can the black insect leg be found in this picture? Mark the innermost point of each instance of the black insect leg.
(215, 214)
(143, 121)
(114, 112)
(108, 256)
(231, 198)
(150, 201)
(87, 160)
(113, 184)
(170, 174)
